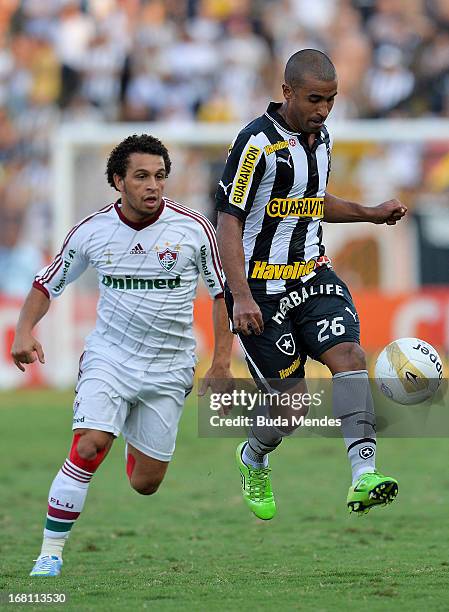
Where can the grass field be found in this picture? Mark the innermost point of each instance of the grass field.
(194, 546)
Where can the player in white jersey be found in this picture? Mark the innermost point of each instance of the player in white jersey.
(139, 360)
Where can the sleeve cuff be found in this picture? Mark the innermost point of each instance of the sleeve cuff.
(40, 287)
(219, 296)
(232, 210)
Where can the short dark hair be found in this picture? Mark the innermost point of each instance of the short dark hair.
(119, 156)
(308, 62)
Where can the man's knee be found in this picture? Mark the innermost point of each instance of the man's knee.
(354, 357)
(145, 485)
(89, 448)
(145, 473)
(345, 357)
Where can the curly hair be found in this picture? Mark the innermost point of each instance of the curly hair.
(119, 156)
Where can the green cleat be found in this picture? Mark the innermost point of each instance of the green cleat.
(256, 488)
(371, 489)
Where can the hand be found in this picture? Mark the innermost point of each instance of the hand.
(26, 349)
(247, 316)
(220, 380)
(389, 212)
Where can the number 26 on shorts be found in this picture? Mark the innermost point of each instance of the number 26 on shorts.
(335, 327)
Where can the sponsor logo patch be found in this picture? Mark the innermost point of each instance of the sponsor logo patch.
(129, 283)
(138, 250)
(286, 344)
(296, 207)
(243, 177)
(67, 263)
(286, 372)
(264, 271)
(277, 146)
(207, 273)
(295, 298)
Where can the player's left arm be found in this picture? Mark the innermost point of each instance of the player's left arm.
(219, 376)
(337, 210)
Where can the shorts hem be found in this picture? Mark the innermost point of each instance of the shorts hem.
(166, 458)
(98, 427)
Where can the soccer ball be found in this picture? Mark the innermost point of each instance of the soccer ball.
(408, 371)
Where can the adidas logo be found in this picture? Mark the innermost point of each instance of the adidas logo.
(138, 250)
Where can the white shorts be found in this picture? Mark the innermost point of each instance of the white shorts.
(143, 406)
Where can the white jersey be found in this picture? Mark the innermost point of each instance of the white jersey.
(148, 275)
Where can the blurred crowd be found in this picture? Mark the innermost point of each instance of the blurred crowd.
(207, 60)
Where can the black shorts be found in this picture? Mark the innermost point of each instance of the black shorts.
(306, 320)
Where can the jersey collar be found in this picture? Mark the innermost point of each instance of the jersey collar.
(135, 225)
(273, 114)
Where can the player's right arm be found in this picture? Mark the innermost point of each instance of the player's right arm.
(26, 348)
(247, 316)
(245, 167)
(50, 282)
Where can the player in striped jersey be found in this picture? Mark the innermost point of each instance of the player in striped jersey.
(138, 364)
(284, 299)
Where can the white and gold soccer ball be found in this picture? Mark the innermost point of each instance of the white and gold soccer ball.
(408, 371)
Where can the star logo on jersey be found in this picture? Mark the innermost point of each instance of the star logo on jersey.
(168, 258)
(286, 344)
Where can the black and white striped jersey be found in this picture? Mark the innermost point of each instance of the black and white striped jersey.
(275, 183)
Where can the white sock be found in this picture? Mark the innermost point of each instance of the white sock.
(65, 502)
(249, 458)
(52, 546)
